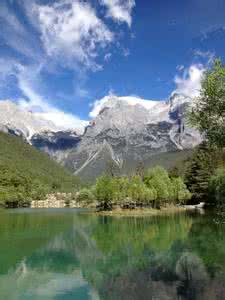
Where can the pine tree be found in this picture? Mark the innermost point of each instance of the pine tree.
(199, 170)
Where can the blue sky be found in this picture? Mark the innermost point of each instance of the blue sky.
(59, 57)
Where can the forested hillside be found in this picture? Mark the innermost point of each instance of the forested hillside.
(26, 173)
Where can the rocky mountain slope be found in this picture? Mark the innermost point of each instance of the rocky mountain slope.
(57, 144)
(123, 131)
(37, 131)
(128, 132)
(22, 123)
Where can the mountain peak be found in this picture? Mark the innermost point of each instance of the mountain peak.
(13, 116)
(112, 101)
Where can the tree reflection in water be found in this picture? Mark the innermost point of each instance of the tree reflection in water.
(92, 257)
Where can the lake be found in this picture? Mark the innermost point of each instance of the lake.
(68, 254)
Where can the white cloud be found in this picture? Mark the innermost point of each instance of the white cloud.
(45, 110)
(180, 67)
(207, 55)
(111, 99)
(125, 52)
(107, 56)
(11, 20)
(7, 67)
(81, 92)
(64, 120)
(64, 33)
(189, 83)
(16, 36)
(72, 32)
(119, 10)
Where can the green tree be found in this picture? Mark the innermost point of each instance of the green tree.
(158, 179)
(217, 187)
(104, 192)
(199, 169)
(149, 195)
(136, 189)
(208, 113)
(180, 191)
(86, 195)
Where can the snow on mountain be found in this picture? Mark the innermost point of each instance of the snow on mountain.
(128, 130)
(23, 122)
(158, 110)
(110, 101)
(125, 130)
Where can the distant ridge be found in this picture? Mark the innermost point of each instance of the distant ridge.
(124, 130)
(21, 159)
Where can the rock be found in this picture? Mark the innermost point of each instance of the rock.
(127, 134)
(124, 131)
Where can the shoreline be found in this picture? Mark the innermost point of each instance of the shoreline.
(116, 211)
(142, 212)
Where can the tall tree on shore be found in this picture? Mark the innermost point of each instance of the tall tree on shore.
(208, 112)
(199, 169)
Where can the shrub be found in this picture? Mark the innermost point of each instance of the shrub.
(158, 179)
(85, 195)
(217, 187)
(156, 189)
(104, 191)
(180, 192)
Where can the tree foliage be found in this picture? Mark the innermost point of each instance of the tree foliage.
(155, 190)
(198, 169)
(208, 113)
(217, 187)
(26, 173)
(86, 195)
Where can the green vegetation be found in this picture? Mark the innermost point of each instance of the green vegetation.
(208, 114)
(26, 173)
(155, 189)
(200, 176)
(182, 254)
(204, 171)
(217, 187)
(85, 195)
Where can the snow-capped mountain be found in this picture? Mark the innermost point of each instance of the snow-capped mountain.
(20, 121)
(128, 129)
(24, 123)
(125, 130)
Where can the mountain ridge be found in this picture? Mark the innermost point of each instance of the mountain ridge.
(123, 129)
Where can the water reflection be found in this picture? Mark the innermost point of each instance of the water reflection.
(66, 255)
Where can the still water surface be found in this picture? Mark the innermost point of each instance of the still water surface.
(66, 254)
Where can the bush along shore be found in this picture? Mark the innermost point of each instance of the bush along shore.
(198, 179)
(155, 190)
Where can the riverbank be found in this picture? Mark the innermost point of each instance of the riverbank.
(147, 211)
(60, 200)
(59, 204)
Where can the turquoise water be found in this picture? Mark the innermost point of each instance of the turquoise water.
(67, 254)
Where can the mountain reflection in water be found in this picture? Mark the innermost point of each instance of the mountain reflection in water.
(63, 254)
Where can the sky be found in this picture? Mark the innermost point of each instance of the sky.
(61, 58)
